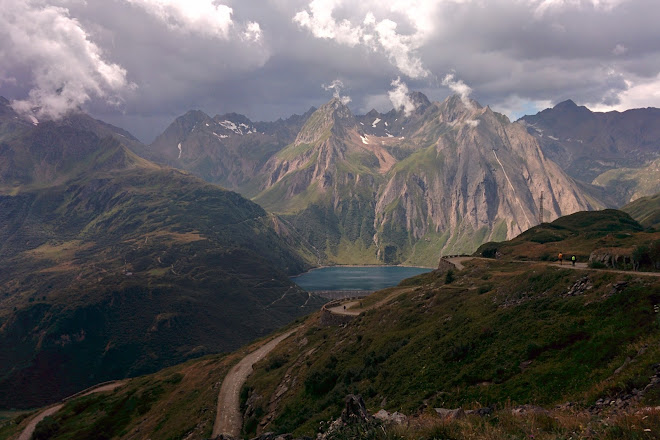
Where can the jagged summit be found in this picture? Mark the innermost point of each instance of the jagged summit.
(420, 100)
(333, 117)
(569, 103)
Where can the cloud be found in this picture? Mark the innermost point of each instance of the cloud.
(321, 23)
(193, 16)
(513, 59)
(640, 93)
(515, 107)
(458, 87)
(400, 48)
(619, 49)
(337, 86)
(376, 35)
(252, 32)
(399, 97)
(66, 69)
(543, 6)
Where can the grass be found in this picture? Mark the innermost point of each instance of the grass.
(576, 234)
(93, 265)
(462, 344)
(173, 403)
(646, 211)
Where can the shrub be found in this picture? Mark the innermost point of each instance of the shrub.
(450, 277)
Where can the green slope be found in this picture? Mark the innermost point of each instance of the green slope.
(500, 334)
(120, 267)
(645, 210)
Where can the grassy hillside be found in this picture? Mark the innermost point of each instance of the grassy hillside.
(499, 334)
(646, 211)
(122, 267)
(576, 234)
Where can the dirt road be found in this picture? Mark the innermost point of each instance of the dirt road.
(29, 429)
(348, 310)
(228, 419)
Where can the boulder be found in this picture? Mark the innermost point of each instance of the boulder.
(395, 417)
(354, 409)
(450, 414)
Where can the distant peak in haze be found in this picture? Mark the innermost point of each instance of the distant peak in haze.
(569, 103)
(420, 100)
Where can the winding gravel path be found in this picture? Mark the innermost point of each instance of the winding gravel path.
(228, 419)
(29, 429)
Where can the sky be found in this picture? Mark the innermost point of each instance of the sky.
(139, 64)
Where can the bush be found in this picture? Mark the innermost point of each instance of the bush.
(46, 429)
(597, 265)
(450, 277)
(320, 382)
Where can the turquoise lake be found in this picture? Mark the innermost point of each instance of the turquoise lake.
(356, 278)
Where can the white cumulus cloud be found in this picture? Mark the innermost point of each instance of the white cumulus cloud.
(66, 68)
(399, 97)
(459, 87)
(193, 16)
(337, 86)
(252, 32)
(619, 49)
(543, 6)
(381, 35)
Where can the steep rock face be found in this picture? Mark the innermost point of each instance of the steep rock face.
(226, 149)
(587, 144)
(325, 183)
(482, 180)
(115, 266)
(401, 187)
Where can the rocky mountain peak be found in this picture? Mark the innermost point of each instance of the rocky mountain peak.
(458, 109)
(236, 118)
(337, 109)
(420, 100)
(332, 117)
(190, 119)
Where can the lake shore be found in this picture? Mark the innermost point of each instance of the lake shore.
(359, 265)
(356, 277)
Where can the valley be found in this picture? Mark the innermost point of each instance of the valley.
(118, 265)
(329, 220)
(606, 350)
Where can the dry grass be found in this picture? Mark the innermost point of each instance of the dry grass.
(643, 423)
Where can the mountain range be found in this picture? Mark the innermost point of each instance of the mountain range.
(118, 259)
(388, 188)
(493, 348)
(113, 266)
(616, 151)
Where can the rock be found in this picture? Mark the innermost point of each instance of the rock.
(450, 414)
(355, 409)
(444, 265)
(273, 436)
(395, 417)
(481, 412)
(528, 409)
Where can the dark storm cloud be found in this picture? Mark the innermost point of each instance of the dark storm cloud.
(147, 61)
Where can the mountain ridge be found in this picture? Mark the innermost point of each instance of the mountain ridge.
(114, 266)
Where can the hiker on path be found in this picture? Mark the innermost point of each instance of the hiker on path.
(573, 260)
(561, 258)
